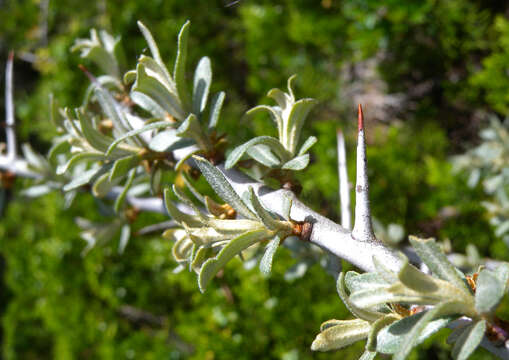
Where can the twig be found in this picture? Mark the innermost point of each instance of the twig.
(9, 110)
(344, 188)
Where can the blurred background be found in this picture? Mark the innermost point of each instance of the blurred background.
(433, 76)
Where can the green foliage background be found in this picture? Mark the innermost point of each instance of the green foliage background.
(448, 57)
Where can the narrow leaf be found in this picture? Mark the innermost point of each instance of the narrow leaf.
(489, 292)
(152, 126)
(298, 163)
(167, 141)
(269, 141)
(469, 340)
(310, 141)
(437, 262)
(263, 215)
(263, 155)
(122, 196)
(215, 109)
(392, 337)
(179, 71)
(376, 327)
(122, 166)
(412, 338)
(125, 234)
(223, 188)
(234, 247)
(201, 85)
(343, 334)
(268, 256)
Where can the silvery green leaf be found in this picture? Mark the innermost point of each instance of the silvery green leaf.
(79, 157)
(34, 159)
(184, 199)
(179, 71)
(344, 333)
(184, 158)
(129, 77)
(416, 280)
(125, 234)
(112, 110)
(502, 274)
(392, 337)
(457, 331)
(262, 214)
(234, 247)
(98, 140)
(298, 163)
(158, 91)
(469, 340)
(201, 255)
(100, 50)
(105, 81)
(82, 179)
(275, 114)
(102, 185)
(310, 141)
(412, 338)
(191, 128)
(215, 109)
(123, 165)
(396, 293)
(234, 226)
(201, 85)
(155, 180)
(295, 121)
(182, 249)
(387, 274)
(193, 190)
(437, 262)
(287, 207)
(177, 215)
(263, 155)
(152, 126)
(368, 355)
(358, 282)
(269, 141)
(223, 188)
(62, 146)
(167, 141)
(489, 291)
(119, 201)
(36, 191)
(268, 256)
(356, 311)
(147, 103)
(152, 46)
(376, 327)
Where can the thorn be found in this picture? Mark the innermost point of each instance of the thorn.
(360, 118)
(88, 74)
(362, 229)
(11, 55)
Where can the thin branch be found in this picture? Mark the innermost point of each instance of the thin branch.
(344, 186)
(9, 110)
(362, 228)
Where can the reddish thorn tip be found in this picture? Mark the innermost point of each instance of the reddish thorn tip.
(87, 73)
(11, 55)
(360, 119)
